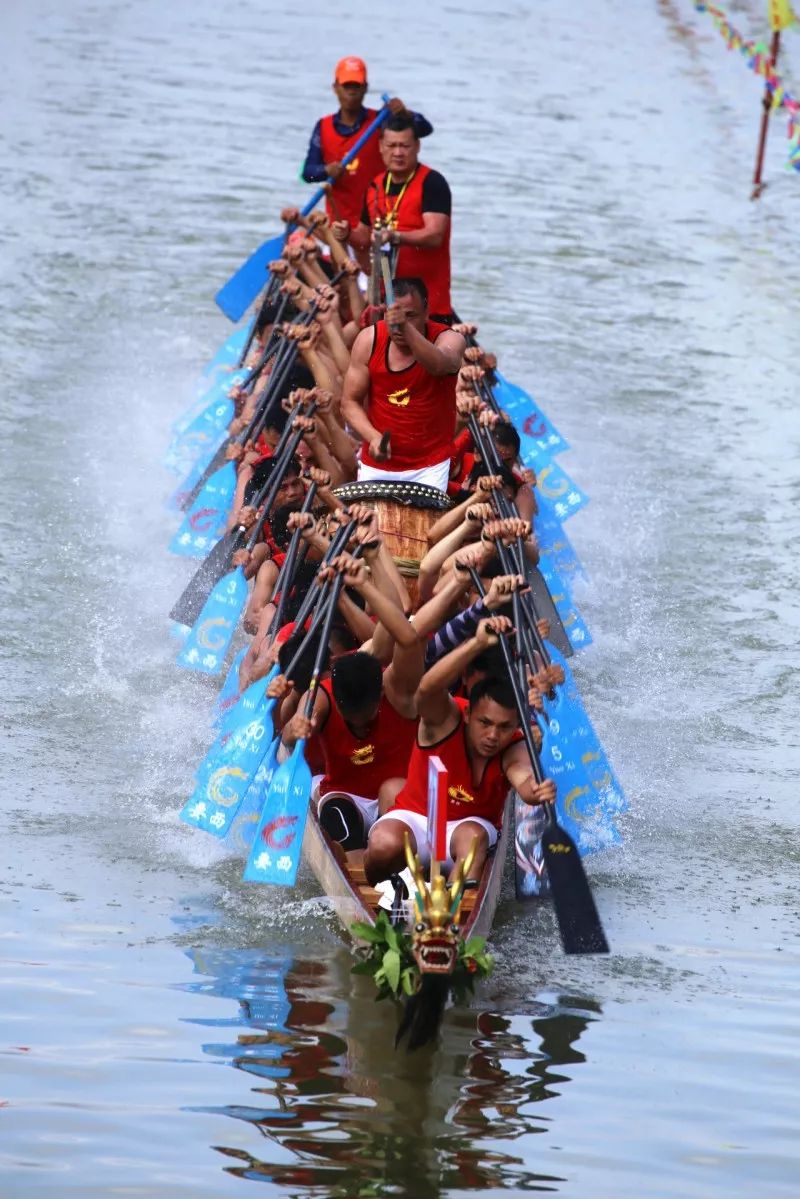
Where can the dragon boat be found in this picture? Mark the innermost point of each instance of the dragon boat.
(236, 798)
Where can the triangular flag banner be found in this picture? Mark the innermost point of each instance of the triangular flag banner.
(780, 14)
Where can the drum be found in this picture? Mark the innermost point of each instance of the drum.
(406, 512)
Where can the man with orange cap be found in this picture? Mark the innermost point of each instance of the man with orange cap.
(335, 134)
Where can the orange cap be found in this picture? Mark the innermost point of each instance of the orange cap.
(350, 70)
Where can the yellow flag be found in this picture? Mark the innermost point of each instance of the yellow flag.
(780, 14)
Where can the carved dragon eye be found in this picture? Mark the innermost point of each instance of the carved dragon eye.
(419, 928)
(453, 928)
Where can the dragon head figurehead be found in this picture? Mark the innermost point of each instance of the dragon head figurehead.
(436, 914)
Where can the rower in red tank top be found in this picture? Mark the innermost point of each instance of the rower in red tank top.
(480, 743)
(471, 791)
(336, 134)
(359, 757)
(401, 381)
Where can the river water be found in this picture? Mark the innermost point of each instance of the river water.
(166, 1031)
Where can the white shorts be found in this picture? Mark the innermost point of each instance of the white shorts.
(419, 827)
(367, 807)
(436, 476)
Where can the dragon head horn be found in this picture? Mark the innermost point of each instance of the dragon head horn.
(462, 870)
(415, 867)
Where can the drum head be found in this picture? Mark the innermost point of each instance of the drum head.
(410, 495)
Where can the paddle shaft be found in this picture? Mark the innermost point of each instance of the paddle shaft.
(312, 599)
(331, 603)
(285, 351)
(286, 572)
(578, 920)
(514, 561)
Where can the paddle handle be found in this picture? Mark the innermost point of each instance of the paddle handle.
(332, 602)
(350, 155)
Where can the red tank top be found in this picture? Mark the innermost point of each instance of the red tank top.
(348, 191)
(431, 264)
(464, 799)
(359, 766)
(416, 407)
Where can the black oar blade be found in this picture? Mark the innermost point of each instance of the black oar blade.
(543, 603)
(189, 605)
(216, 462)
(578, 921)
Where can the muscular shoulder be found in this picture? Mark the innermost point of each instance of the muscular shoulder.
(449, 340)
(363, 345)
(432, 733)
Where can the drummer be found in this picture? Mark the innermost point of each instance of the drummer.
(399, 393)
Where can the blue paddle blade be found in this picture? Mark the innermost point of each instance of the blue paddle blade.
(557, 494)
(556, 547)
(252, 706)
(204, 523)
(570, 737)
(543, 437)
(242, 830)
(574, 625)
(249, 702)
(275, 854)
(182, 491)
(224, 778)
(245, 284)
(227, 746)
(228, 355)
(207, 644)
(586, 808)
(228, 788)
(213, 409)
(229, 692)
(204, 430)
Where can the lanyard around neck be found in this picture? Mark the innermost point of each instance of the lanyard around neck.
(391, 213)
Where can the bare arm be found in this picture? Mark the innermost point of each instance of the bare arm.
(437, 555)
(433, 693)
(442, 357)
(356, 388)
(517, 769)
(432, 234)
(260, 596)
